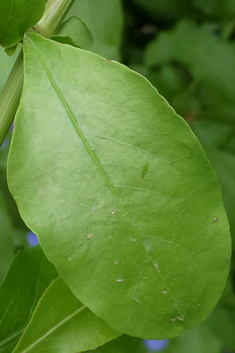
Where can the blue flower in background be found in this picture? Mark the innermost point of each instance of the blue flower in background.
(4, 144)
(155, 345)
(32, 239)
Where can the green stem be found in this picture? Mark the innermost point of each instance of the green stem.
(54, 14)
(10, 97)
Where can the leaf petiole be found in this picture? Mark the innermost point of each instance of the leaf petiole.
(10, 97)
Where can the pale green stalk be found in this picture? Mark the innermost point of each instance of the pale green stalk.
(54, 13)
(10, 97)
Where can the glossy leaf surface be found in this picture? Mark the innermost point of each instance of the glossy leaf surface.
(16, 16)
(130, 212)
(28, 277)
(61, 324)
(74, 32)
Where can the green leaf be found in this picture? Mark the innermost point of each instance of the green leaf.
(187, 44)
(148, 255)
(60, 322)
(165, 10)
(9, 204)
(6, 241)
(201, 339)
(28, 277)
(219, 143)
(216, 8)
(74, 32)
(224, 164)
(167, 79)
(16, 16)
(11, 51)
(222, 323)
(123, 344)
(104, 18)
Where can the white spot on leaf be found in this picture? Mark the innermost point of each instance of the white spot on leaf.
(41, 191)
(157, 267)
(177, 318)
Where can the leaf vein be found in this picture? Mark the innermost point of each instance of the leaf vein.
(62, 322)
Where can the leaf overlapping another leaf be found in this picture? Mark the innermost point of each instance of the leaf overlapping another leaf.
(29, 275)
(62, 324)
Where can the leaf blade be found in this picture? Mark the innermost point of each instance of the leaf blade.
(61, 322)
(118, 208)
(74, 32)
(29, 275)
(16, 17)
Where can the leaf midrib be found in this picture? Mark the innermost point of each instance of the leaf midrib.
(93, 155)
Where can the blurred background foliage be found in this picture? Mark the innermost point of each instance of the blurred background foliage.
(186, 48)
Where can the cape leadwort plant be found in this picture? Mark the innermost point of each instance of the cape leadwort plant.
(127, 208)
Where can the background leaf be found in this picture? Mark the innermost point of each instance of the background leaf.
(186, 45)
(123, 344)
(62, 324)
(104, 19)
(216, 9)
(218, 141)
(74, 32)
(168, 9)
(6, 240)
(149, 255)
(16, 16)
(198, 340)
(28, 277)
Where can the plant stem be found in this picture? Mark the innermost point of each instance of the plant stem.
(10, 97)
(54, 14)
